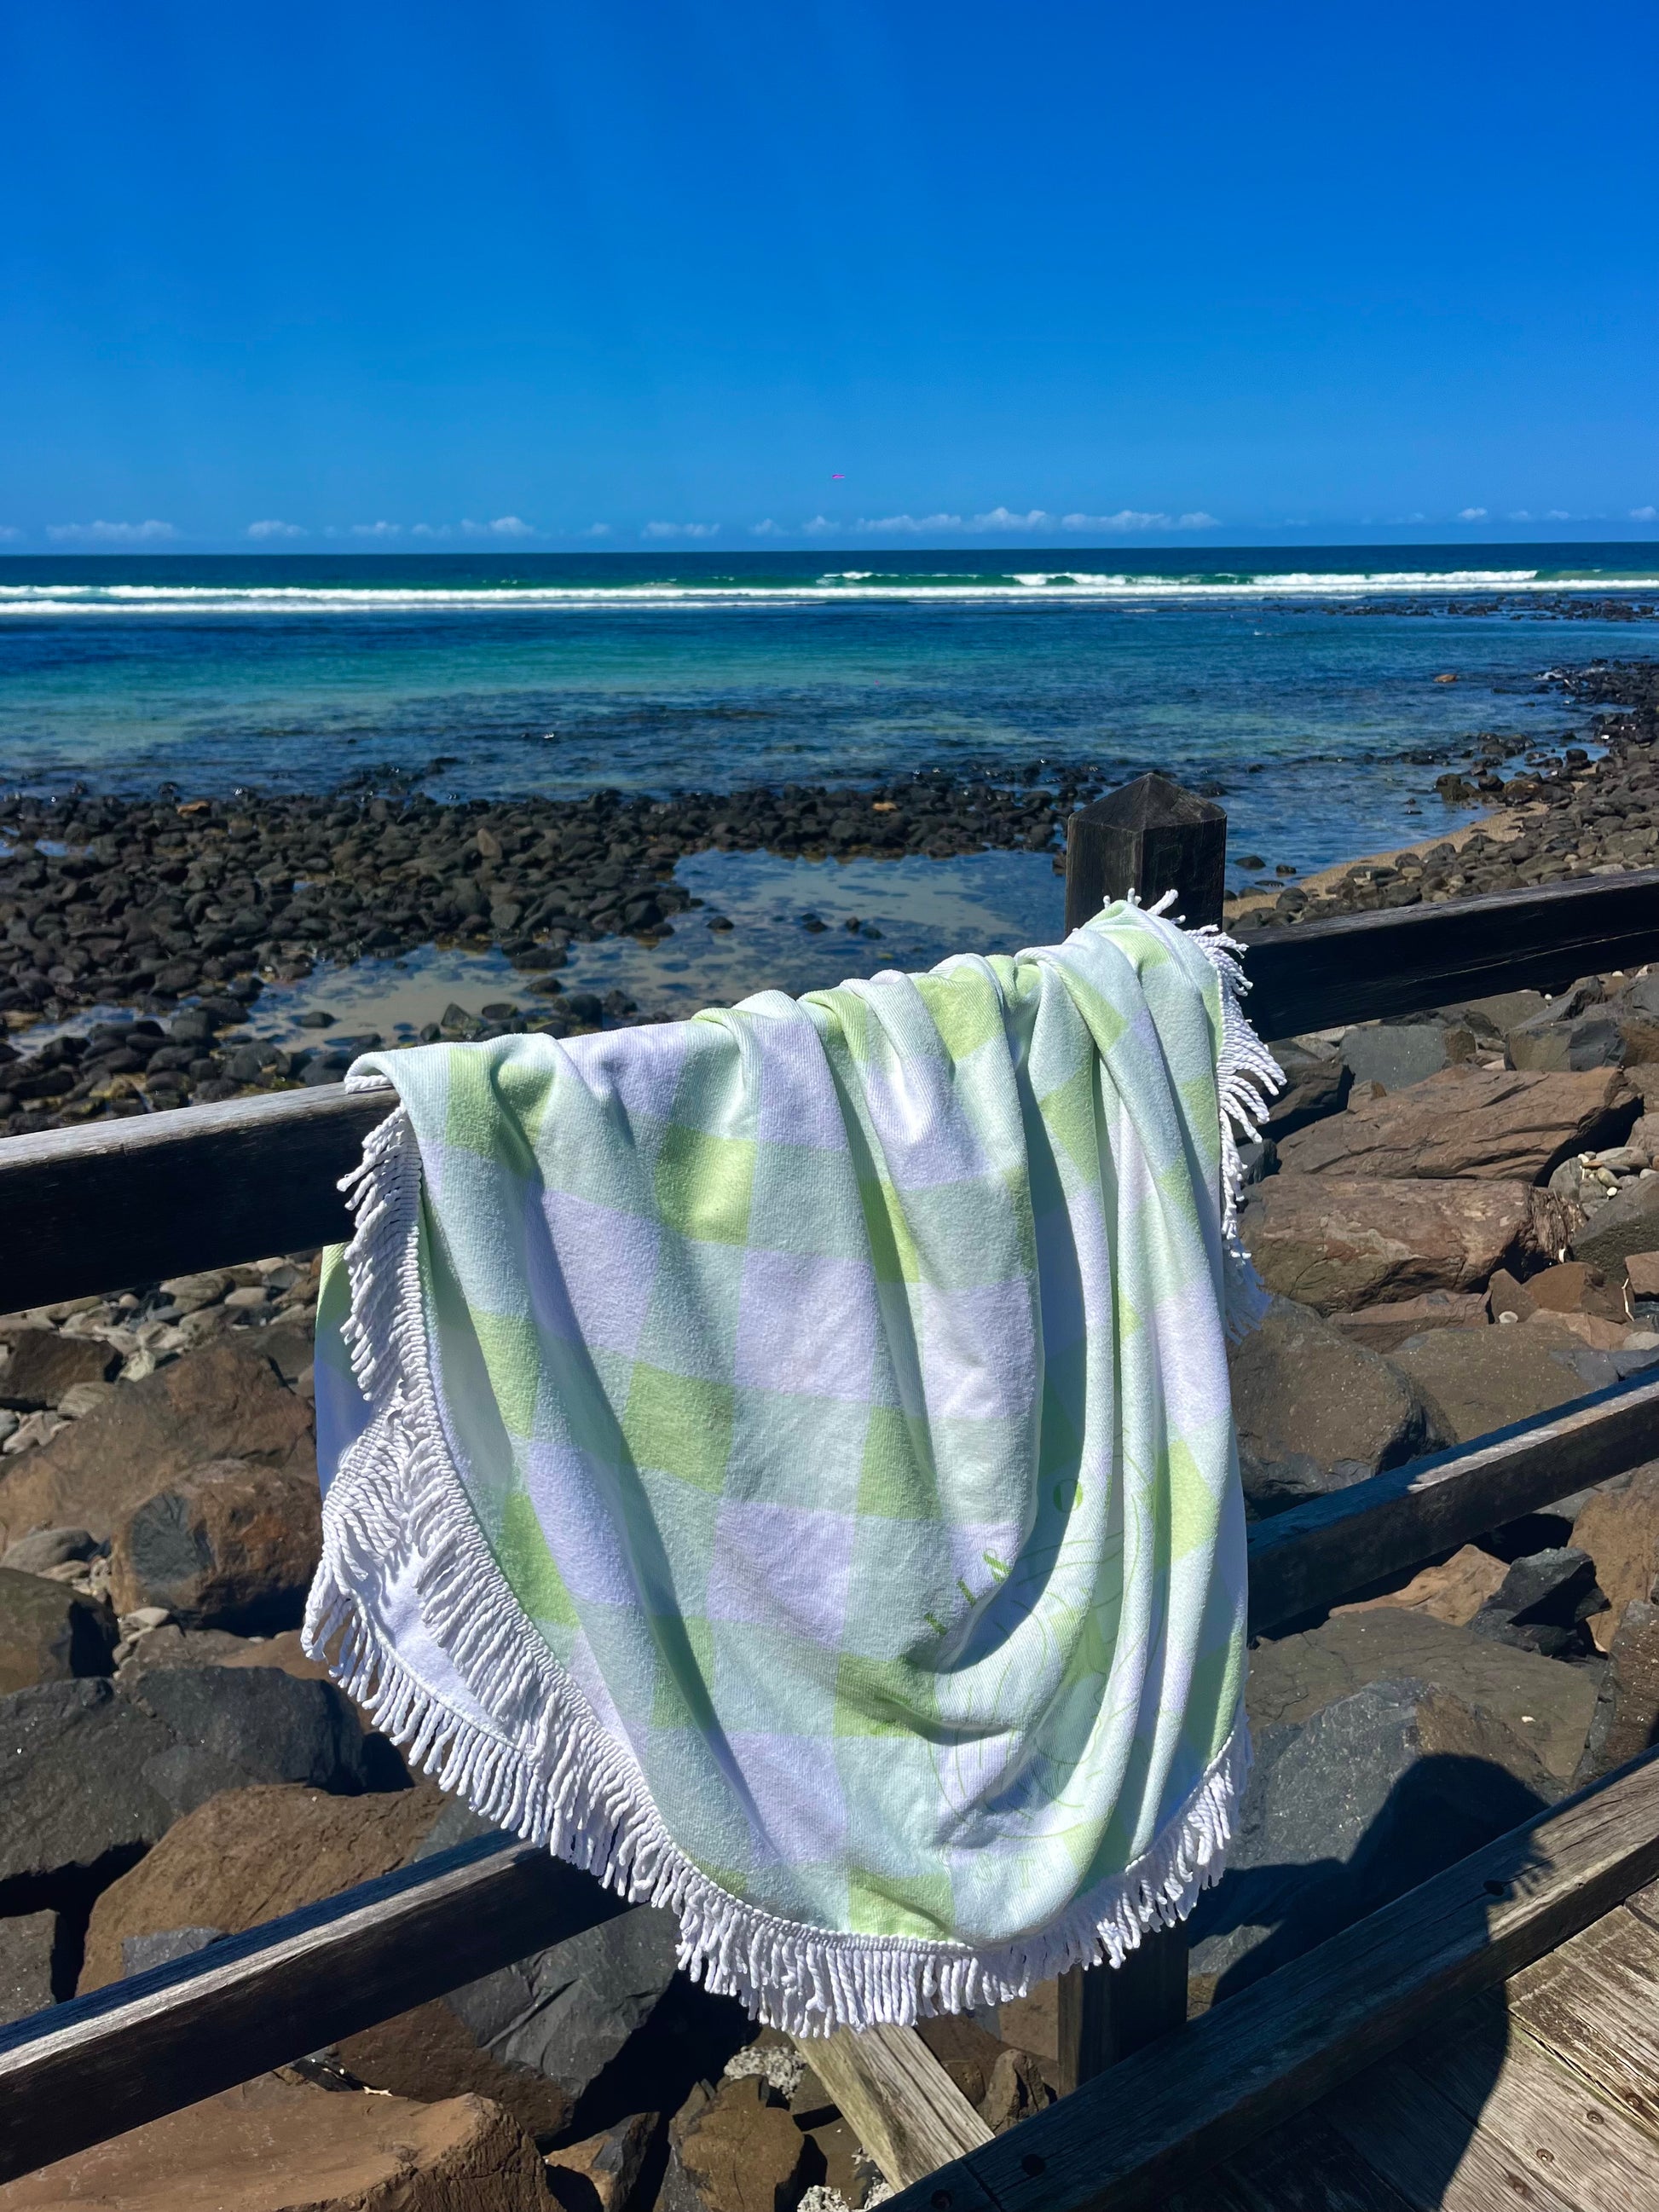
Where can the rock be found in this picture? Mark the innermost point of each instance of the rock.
(279, 2146)
(1483, 1121)
(1454, 1592)
(1473, 1381)
(1590, 1329)
(48, 1548)
(1315, 1412)
(230, 1546)
(26, 1942)
(173, 1646)
(598, 2173)
(1571, 1286)
(1492, 1019)
(44, 1365)
(1626, 1223)
(140, 1952)
(1641, 1273)
(1590, 1040)
(1545, 1705)
(249, 1724)
(732, 2152)
(1017, 2089)
(250, 1855)
(1620, 1529)
(49, 1632)
(283, 1650)
(1382, 1327)
(1542, 1600)
(189, 1293)
(222, 1402)
(1372, 1795)
(1335, 1242)
(1317, 1080)
(1396, 1054)
(75, 1789)
(1625, 1721)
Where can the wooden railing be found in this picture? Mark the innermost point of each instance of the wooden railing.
(99, 1207)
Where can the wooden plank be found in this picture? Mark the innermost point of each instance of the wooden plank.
(896, 2098)
(1305, 2167)
(1317, 974)
(92, 2068)
(115, 1203)
(1594, 2003)
(1108, 2013)
(1318, 1553)
(1553, 2122)
(1438, 2157)
(1127, 2139)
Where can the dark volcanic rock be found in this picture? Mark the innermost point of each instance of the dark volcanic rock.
(49, 1632)
(229, 1546)
(1351, 1808)
(44, 1367)
(26, 1944)
(1542, 1601)
(1315, 1412)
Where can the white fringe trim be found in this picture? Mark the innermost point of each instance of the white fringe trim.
(546, 1770)
(1246, 1073)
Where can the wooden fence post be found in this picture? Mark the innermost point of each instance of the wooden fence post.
(1149, 837)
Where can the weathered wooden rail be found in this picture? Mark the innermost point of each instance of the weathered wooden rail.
(100, 1208)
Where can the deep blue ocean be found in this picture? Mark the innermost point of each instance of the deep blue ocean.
(1300, 681)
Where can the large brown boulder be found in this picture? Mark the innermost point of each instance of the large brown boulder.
(1475, 1380)
(1383, 1328)
(232, 1545)
(1620, 1529)
(1492, 1123)
(1315, 1412)
(1545, 1705)
(735, 2152)
(274, 2145)
(250, 1855)
(49, 1632)
(1337, 1241)
(44, 1367)
(223, 1402)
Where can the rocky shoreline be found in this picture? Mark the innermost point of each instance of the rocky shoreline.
(182, 910)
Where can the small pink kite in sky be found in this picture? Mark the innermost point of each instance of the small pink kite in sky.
(836, 477)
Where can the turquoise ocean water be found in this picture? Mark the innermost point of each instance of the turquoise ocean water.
(1299, 682)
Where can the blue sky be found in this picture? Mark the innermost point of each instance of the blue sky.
(903, 273)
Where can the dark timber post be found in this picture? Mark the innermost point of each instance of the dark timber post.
(1149, 837)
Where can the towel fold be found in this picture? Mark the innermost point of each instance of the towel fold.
(784, 1460)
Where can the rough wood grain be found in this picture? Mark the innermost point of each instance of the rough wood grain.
(1551, 2120)
(1304, 2167)
(1108, 2013)
(1438, 2158)
(1318, 1553)
(1149, 837)
(1594, 2003)
(99, 2064)
(1155, 2122)
(116, 1203)
(1317, 974)
(896, 2098)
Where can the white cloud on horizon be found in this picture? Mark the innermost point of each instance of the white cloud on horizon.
(8, 535)
(1130, 517)
(1641, 515)
(1560, 514)
(432, 530)
(504, 525)
(1000, 518)
(111, 533)
(1471, 514)
(910, 522)
(271, 528)
(817, 525)
(377, 529)
(681, 530)
(767, 529)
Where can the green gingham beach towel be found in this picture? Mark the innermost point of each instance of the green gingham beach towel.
(783, 1460)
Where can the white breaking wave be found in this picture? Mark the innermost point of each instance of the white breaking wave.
(1050, 585)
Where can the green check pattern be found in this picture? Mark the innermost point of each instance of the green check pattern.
(789, 1462)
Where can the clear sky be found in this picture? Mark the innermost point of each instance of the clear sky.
(1080, 271)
